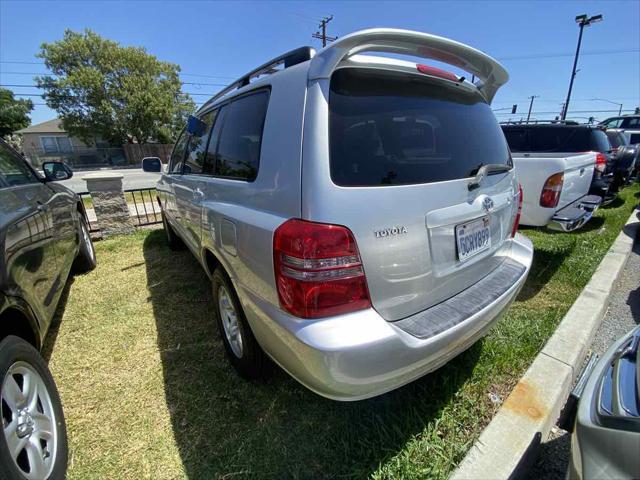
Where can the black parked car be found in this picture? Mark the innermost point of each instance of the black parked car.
(568, 137)
(43, 236)
(625, 155)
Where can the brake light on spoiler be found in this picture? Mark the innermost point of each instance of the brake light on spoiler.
(437, 72)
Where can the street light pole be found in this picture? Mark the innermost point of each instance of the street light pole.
(531, 106)
(582, 21)
(609, 101)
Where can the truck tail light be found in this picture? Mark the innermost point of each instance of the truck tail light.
(551, 191)
(601, 162)
(318, 270)
(516, 221)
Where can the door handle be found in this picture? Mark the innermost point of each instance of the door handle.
(582, 171)
(198, 194)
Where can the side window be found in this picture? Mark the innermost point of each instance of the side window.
(238, 151)
(14, 170)
(613, 123)
(197, 148)
(177, 156)
(210, 160)
(631, 123)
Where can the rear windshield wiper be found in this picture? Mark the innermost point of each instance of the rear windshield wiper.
(485, 170)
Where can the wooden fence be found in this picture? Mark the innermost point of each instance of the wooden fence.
(136, 152)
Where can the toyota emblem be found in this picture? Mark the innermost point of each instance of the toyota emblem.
(487, 204)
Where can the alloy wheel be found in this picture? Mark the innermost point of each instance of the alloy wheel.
(28, 421)
(230, 322)
(86, 238)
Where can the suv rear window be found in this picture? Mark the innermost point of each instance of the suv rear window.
(556, 139)
(392, 128)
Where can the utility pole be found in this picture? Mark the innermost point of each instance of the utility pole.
(582, 21)
(531, 106)
(323, 36)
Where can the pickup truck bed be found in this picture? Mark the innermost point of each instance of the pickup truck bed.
(575, 206)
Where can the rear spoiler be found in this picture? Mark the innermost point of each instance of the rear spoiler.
(490, 73)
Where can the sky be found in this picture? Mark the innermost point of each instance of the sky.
(216, 42)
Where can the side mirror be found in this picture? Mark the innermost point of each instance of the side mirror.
(195, 126)
(56, 171)
(151, 164)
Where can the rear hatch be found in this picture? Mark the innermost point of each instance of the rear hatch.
(403, 148)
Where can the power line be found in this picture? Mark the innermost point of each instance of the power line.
(328, 19)
(557, 55)
(53, 75)
(555, 112)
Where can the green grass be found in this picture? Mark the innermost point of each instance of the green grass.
(148, 393)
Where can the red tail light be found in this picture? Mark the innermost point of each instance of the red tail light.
(551, 191)
(437, 72)
(601, 162)
(516, 221)
(318, 270)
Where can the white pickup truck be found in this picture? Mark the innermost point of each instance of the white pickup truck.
(555, 189)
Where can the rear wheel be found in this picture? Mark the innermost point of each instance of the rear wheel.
(241, 347)
(175, 243)
(33, 444)
(86, 258)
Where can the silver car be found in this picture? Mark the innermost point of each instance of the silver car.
(606, 436)
(357, 214)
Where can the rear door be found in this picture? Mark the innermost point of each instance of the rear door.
(402, 151)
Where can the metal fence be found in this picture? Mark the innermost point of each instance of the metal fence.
(143, 208)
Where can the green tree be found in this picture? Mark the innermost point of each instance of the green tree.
(14, 113)
(120, 94)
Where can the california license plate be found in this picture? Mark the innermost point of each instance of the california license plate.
(473, 237)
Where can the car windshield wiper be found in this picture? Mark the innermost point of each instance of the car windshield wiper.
(485, 170)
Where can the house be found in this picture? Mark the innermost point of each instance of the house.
(48, 141)
(48, 138)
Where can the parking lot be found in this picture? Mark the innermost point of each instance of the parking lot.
(148, 394)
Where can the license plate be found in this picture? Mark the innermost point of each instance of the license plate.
(473, 237)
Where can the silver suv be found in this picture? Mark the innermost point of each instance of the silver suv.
(357, 215)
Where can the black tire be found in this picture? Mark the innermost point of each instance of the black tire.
(252, 361)
(174, 241)
(12, 350)
(86, 257)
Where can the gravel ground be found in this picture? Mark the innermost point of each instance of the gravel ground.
(622, 315)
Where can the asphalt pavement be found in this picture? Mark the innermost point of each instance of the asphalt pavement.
(133, 178)
(622, 315)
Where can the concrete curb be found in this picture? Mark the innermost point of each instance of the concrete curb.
(534, 405)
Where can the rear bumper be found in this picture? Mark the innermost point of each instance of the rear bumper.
(361, 355)
(576, 214)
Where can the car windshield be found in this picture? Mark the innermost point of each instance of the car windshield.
(391, 128)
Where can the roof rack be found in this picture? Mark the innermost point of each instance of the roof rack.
(289, 59)
(538, 122)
